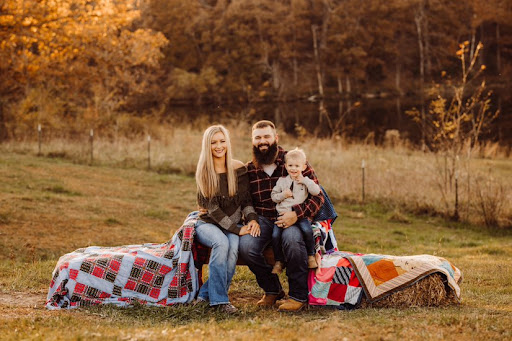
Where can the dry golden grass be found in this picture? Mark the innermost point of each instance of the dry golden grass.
(52, 206)
(397, 176)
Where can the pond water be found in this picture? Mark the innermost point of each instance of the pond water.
(362, 119)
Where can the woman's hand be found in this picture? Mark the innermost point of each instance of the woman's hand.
(244, 230)
(254, 228)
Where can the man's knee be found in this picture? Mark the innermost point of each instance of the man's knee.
(292, 234)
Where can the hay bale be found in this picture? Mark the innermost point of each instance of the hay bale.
(430, 291)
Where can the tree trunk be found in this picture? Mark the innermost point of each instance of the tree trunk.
(426, 40)
(317, 62)
(340, 85)
(498, 51)
(397, 77)
(473, 45)
(419, 27)
(295, 64)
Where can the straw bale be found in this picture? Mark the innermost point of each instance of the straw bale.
(430, 291)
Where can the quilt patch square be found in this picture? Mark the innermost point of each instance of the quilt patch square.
(337, 292)
(342, 275)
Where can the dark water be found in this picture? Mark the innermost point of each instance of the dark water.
(359, 120)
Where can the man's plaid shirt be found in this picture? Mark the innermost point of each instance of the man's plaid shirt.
(261, 185)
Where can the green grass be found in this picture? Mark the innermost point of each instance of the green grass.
(51, 206)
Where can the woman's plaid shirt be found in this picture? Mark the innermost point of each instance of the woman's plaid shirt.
(261, 185)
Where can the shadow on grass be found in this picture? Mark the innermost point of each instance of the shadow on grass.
(184, 314)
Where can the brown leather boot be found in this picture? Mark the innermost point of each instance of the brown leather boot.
(268, 300)
(292, 305)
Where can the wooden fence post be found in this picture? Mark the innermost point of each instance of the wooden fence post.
(39, 139)
(91, 139)
(362, 174)
(149, 152)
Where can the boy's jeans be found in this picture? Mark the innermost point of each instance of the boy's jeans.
(222, 264)
(305, 226)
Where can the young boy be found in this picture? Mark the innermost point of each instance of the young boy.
(289, 191)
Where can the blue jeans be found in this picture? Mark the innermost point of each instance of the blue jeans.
(307, 233)
(294, 250)
(222, 264)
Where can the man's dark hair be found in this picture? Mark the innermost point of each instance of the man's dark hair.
(263, 124)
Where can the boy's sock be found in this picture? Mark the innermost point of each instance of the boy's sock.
(278, 267)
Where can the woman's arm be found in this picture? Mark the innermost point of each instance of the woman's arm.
(217, 214)
(245, 198)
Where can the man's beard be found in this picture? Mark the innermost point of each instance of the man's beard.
(266, 157)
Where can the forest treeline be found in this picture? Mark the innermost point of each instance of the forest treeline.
(73, 63)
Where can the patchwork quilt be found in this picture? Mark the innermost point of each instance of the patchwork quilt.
(343, 277)
(152, 274)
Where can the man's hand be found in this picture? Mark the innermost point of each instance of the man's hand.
(286, 219)
(254, 228)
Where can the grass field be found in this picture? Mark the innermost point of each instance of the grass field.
(51, 206)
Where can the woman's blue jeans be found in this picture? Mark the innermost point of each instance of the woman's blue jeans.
(222, 264)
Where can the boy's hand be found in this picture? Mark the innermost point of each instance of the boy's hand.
(300, 178)
(287, 193)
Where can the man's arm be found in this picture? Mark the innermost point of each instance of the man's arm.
(310, 207)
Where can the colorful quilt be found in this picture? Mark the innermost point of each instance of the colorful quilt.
(343, 277)
(152, 274)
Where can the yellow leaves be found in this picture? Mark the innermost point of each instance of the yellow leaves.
(27, 21)
(460, 52)
(7, 20)
(262, 93)
(443, 73)
(483, 67)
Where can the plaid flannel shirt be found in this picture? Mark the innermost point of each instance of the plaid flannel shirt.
(261, 185)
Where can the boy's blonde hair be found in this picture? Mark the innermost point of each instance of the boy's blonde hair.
(296, 154)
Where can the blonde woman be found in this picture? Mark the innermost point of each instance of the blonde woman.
(224, 199)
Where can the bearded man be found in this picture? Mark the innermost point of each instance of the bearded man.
(264, 170)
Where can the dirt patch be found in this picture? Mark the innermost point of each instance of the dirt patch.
(23, 299)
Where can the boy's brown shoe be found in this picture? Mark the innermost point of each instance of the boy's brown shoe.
(268, 300)
(312, 264)
(292, 305)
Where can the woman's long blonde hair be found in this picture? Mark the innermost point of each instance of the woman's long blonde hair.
(206, 178)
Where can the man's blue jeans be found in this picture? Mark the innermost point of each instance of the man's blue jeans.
(222, 264)
(295, 255)
(307, 233)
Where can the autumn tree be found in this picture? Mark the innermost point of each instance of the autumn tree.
(72, 59)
